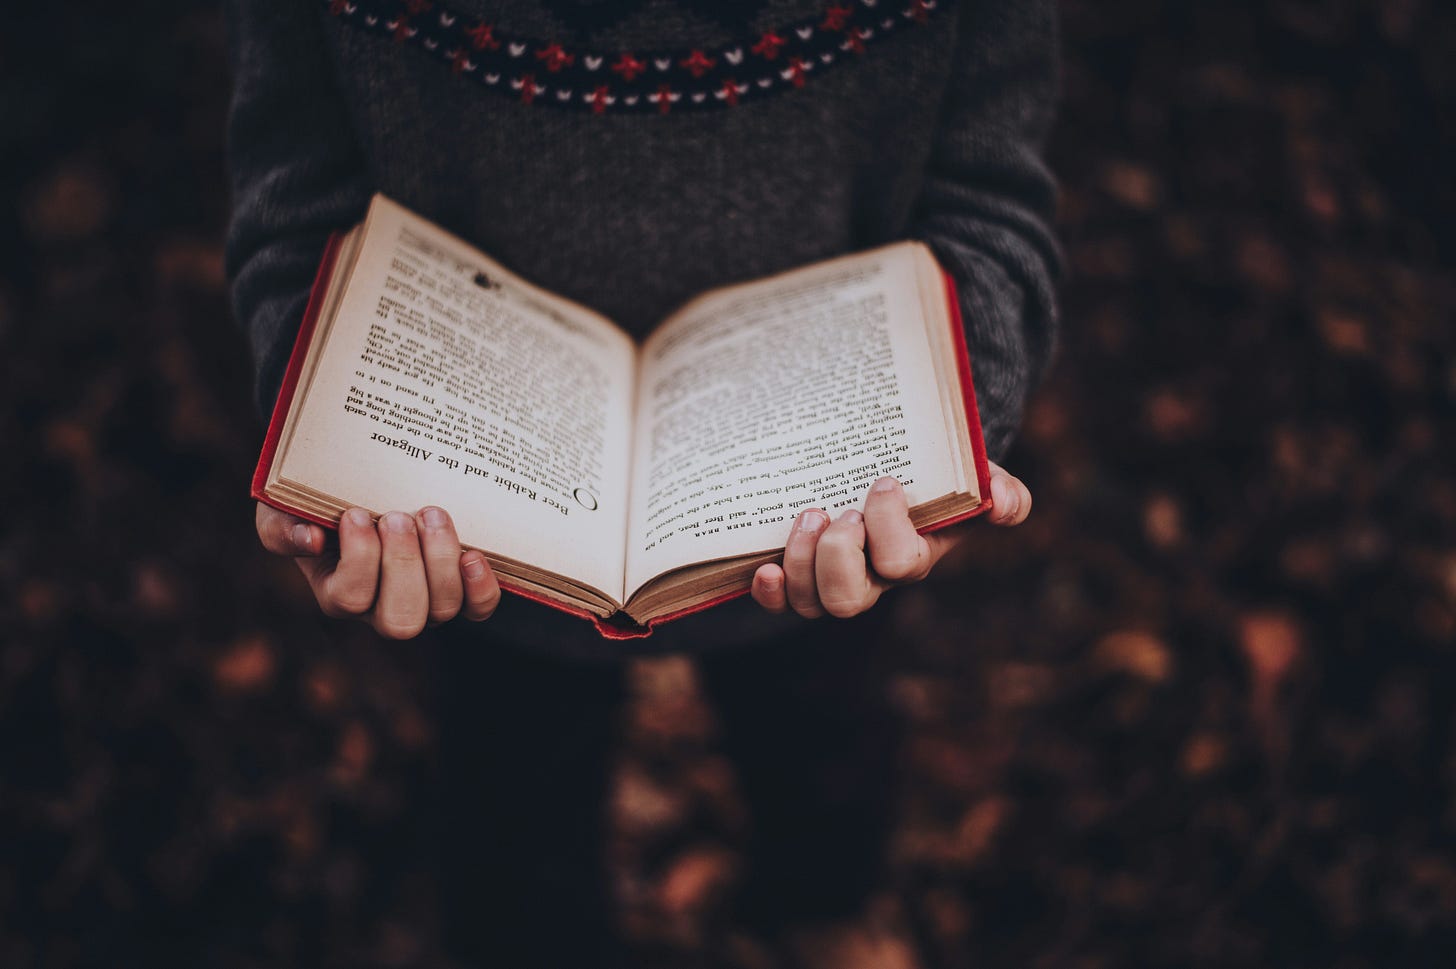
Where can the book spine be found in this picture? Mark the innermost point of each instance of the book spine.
(619, 629)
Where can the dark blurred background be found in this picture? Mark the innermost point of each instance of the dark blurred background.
(1196, 713)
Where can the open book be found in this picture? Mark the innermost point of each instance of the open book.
(628, 484)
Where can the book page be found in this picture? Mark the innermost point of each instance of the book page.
(447, 380)
(794, 392)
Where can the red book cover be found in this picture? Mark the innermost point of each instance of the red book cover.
(619, 626)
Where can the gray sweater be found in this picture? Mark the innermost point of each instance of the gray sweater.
(631, 154)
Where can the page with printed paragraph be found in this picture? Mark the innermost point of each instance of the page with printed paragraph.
(797, 391)
(447, 380)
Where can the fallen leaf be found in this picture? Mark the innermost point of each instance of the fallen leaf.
(1136, 653)
(247, 665)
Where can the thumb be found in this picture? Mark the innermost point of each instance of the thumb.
(285, 534)
(1010, 498)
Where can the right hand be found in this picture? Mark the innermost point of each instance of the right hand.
(399, 576)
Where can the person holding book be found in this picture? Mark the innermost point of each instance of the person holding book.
(629, 155)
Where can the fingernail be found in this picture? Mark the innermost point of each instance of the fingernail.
(813, 520)
(772, 585)
(884, 484)
(474, 567)
(358, 516)
(303, 537)
(852, 515)
(397, 521)
(433, 517)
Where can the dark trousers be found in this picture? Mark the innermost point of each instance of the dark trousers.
(526, 744)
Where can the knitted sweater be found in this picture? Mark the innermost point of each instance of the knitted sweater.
(630, 154)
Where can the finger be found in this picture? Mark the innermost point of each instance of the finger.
(846, 587)
(482, 591)
(942, 542)
(1010, 499)
(897, 553)
(346, 586)
(799, 563)
(768, 588)
(404, 595)
(283, 534)
(440, 548)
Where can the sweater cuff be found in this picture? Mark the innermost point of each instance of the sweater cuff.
(270, 295)
(274, 331)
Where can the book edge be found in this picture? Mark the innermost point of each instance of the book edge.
(293, 371)
(628, 629)
(973, 413)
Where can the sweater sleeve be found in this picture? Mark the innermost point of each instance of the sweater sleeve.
(988, 199)
(296, 170)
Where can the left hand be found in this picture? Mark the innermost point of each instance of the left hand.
(827, 567)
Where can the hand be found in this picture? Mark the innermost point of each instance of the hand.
(828, 569)
(408, 571)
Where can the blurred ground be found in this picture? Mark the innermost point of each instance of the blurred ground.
(1199, 713)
